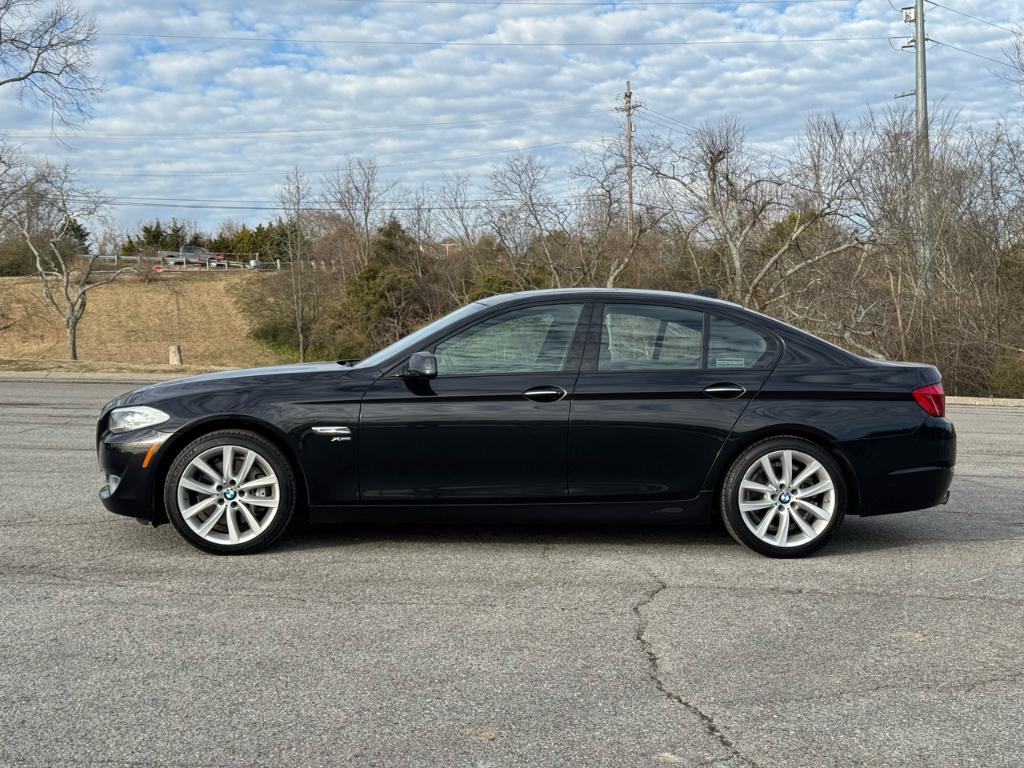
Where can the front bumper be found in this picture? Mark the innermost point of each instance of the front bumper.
(131, 481)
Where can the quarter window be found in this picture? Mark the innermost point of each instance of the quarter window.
(645, 336)
(527, 340)
(731, 345)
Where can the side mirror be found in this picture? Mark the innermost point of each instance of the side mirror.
(422, 365)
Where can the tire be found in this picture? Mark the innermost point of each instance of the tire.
(234, 513)
(811, 513)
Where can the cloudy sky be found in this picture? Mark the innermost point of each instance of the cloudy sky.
(209, 104)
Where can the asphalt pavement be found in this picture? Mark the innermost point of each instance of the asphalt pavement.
(900, 644)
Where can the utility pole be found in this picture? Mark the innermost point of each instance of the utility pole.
(921, 79)
(922, 148)
(628, 106)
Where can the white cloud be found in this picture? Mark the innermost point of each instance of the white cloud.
(351, 100)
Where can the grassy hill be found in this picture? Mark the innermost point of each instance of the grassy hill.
(130, 325)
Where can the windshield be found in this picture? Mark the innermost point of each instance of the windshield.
(416, 337)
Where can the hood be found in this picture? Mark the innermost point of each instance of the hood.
(220, 379)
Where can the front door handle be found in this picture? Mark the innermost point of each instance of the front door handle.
(545, 394)
(725, 391)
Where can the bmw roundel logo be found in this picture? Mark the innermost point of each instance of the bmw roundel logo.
(785, 498)
(229, 494)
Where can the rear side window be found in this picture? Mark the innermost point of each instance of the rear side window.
(733, 345)
(644, 337)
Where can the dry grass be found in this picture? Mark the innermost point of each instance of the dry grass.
(130, 325)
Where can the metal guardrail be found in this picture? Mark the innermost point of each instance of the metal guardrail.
(173, 261)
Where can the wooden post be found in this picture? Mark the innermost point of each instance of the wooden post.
(175, 354)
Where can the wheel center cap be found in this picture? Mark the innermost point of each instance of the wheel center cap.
(230, 493)
(785, 498)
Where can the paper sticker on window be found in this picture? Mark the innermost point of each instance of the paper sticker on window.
(729, 362)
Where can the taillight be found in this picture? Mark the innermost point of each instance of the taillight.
(932, 398)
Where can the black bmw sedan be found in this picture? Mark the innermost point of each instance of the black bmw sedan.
(632, 405)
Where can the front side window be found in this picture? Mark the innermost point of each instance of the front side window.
(527, 340)
(647, 336)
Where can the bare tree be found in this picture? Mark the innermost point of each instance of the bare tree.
(51, 208)
(46, 52)
(458, 214)
(1015, 54)
(526, 216)
(11, 183)
(606, 248)
(419, 221)
(294, 198)
(360, 196)
(713, 180)
(756, 217)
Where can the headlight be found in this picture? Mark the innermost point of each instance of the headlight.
(135, 417)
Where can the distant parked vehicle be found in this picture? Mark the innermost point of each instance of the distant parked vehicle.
(198, 253)
(193, 254)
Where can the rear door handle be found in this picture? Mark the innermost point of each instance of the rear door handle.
(545, 394)
(725, 391)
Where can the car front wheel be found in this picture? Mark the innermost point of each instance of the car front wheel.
(230, 492)
(783, 497)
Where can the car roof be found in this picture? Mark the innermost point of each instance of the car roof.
(597, 294)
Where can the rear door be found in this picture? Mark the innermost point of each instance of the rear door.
(491, 426)
(660, 390)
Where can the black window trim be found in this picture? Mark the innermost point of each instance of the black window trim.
(573, 359)
(593, 346)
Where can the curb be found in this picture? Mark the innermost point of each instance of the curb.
(90, 376)
(999, 402)
(148, 378)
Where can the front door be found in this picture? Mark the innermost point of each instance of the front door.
(492, 425)
(659, 393)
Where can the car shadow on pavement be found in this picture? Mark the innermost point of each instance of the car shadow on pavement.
(532, 534)
(856, 535)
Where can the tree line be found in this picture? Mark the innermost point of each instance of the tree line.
(826, 235)
(843, 232)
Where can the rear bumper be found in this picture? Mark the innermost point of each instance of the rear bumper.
(907, 472)
(909, 489)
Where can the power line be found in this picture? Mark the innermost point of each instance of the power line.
(613, 5)
(669, 119)
(300, 131)
(282, 172)
(654, 121)
(497, 43)
(384, 205)
(214, 206)
(972, 53)
(969, 16)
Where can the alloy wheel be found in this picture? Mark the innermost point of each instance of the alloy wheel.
(228, 494)
(787, 498)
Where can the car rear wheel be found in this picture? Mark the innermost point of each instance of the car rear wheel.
(783, 497)
(230, 492)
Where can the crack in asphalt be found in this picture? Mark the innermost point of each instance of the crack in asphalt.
(654, 673)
